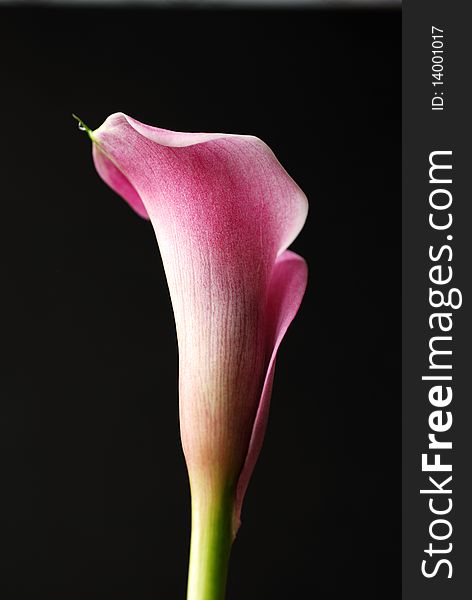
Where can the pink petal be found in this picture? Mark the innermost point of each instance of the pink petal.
(239, 170)
(223, 209)
(286, 290)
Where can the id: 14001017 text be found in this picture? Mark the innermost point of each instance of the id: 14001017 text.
(437, 68)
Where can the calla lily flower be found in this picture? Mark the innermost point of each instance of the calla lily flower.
(224, 212)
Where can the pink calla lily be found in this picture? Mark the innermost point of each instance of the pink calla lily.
(224, 212)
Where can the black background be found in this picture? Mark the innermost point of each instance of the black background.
(94, 491)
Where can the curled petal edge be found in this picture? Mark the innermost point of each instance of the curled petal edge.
(118, 182)
(286, 291)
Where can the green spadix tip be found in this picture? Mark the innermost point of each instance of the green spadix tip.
(83, 126)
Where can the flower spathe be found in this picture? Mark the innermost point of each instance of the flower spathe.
(224, 211)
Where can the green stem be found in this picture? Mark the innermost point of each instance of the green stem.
(210, 546)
